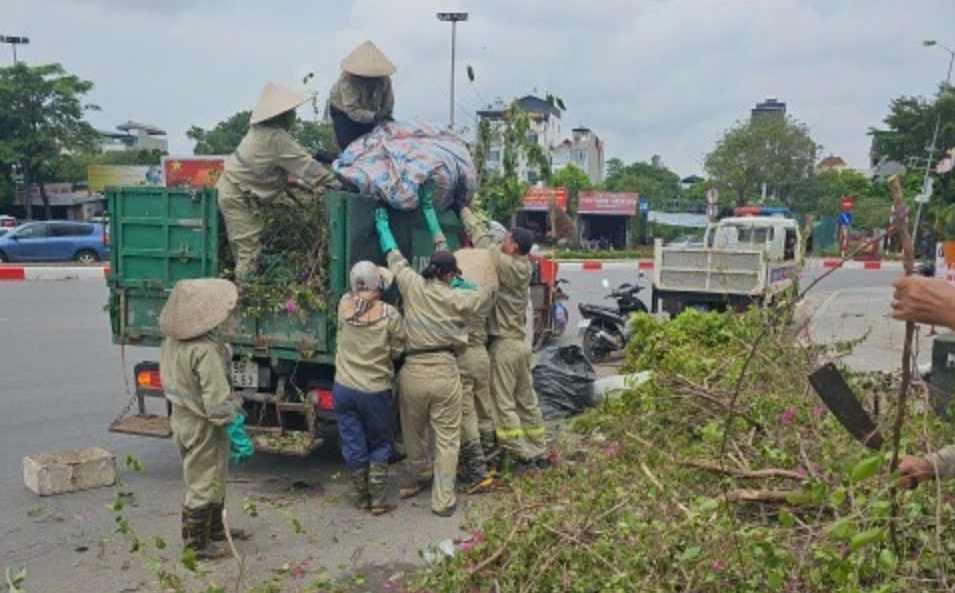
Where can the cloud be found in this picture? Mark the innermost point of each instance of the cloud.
(649, 77)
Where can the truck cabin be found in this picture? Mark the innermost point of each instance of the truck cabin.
(777, 237)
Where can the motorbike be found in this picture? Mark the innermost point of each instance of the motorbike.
(550, 313)
(604, 329)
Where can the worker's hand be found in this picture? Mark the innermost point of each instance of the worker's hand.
(924, 300)
(385, 239)
(914, 470)
(240, 445)
(426, 203)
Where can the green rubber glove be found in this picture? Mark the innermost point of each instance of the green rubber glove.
(240, 445)
(459, 282)
(426, 203)
(385, 238)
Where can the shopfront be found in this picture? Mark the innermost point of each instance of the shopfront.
(534, 214)
(603, 218)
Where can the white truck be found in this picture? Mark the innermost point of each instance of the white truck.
(741, 261)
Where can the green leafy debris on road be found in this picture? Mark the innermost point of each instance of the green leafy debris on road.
(711, 479)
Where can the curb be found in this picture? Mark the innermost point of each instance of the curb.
(647, 264)
(8, 272)
(858, 265)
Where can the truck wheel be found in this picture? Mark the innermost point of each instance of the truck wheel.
(593, 347)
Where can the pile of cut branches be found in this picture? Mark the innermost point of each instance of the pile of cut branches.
(293, 268)
(719, 475)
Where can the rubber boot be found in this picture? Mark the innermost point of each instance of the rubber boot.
(489, 445)
(217, 527)
(475, 477)
(195, 534)
(359, 480)
(378, 489)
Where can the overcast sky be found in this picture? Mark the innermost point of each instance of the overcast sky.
(649, 77)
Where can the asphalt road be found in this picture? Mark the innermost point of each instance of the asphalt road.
(61, 383)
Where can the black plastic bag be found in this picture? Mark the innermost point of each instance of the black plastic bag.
(563, 381)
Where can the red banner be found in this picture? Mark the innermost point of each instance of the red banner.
(191, 171)
(539, 198)
(612, 203)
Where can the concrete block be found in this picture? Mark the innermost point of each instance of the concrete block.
(69, 471)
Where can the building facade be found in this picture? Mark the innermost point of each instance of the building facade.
(545, 131)
(133, 136)
(584, 150)
(771, 107)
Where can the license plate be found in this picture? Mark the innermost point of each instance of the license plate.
(582, 325)
(245, 374)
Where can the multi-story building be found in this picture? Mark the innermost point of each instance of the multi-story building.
(545, 131)
(771, 107)
(583, 149)
(133, 136)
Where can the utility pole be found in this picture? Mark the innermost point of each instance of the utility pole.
(14, 42)
(453, 18)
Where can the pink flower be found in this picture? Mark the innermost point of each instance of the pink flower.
(717, 566)
(611, 448)
(787, 415)
(291, 306)
(817, 411)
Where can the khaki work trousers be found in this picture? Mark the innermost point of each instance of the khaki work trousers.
(204, 449)
(243, 225)
(477, 408)
(429, 393)
(520, 428)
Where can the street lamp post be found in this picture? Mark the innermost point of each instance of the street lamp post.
(453, 18)
(926, 188)
(14, 42)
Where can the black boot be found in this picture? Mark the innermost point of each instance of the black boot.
(217, 527)
(195, 534)
(474, 478)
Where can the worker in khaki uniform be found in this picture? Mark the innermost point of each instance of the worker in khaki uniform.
(257, 173)
(429, 384)
(520, 425)
(361, 98)
(206, 417)
(475, 367)
(370, 337)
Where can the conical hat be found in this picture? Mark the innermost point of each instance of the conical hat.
(368, 60)
(276, 99)
(197, 306)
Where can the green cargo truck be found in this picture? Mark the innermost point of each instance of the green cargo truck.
(283, 363)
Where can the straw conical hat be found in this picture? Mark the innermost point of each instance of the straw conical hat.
(276, 99)
(196, 307)
(368, 60)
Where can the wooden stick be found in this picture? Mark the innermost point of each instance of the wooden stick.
(743, 473)
(901, 227)
(747, 495)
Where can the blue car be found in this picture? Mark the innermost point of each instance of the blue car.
(55, 240)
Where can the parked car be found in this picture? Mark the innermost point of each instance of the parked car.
(55, 240)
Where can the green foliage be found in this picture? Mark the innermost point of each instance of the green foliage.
(653, 180)
(646, 252)
(574, 179)
(223, 138)
(41, 119)
(664, 492)
(501, 191)
(772, 150)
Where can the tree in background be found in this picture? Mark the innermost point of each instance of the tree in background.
(908, 132)
(501, 191)
(775, 151)
(573, 178)
(654, 180)
(41, 120)
(225, 136)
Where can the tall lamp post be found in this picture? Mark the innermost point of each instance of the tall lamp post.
(14, 42)
(926, 186)
(453, 18)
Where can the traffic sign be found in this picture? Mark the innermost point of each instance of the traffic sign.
(712, 195)
(846, 202)
(845, 218)
(644, 204)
